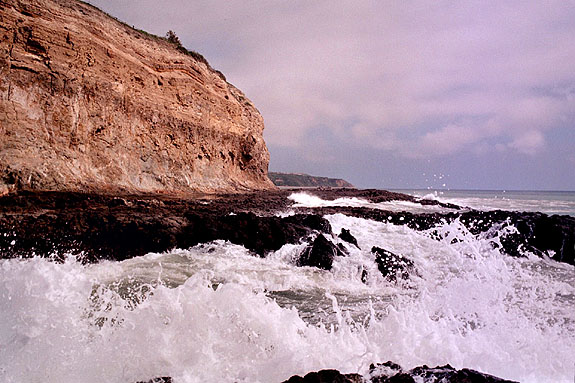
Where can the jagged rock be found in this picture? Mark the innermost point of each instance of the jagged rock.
(259, 234)
(386, 369)
(391, 265)
(326, 376)
(390, 372)
(348, 237)
(538, 233)
(129, 225)
(320, 253)
(163, 379)
(107, 227)
(88, 103)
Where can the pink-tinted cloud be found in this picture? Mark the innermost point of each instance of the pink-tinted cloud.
(434, 78)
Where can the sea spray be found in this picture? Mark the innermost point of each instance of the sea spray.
(215, 312)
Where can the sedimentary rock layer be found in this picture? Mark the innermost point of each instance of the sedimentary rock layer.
(89, 103)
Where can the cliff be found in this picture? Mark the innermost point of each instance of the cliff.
(89, 104)
(305, 180)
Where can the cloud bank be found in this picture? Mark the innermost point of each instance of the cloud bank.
(418, 82)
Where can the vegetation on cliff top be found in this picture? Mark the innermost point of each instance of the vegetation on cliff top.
(170, 37)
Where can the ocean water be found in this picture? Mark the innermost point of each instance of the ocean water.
(549, 202)
(216, 313)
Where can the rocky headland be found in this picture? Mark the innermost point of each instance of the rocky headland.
(115, 143)
(90, 104)
(305, 180)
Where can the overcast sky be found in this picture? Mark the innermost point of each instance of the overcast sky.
(395, 94)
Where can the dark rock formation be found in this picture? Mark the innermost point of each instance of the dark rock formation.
(320, 253)
(163, 379)
(88, 103)
(391, 265)
(346, 235)
(124, 226)
(305, 180)
(536, 232)
(326, 376)
(258, 234)
(390, 372)
(108, 227)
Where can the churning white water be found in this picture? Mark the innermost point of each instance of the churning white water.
(216, 313)
(303, 199)
(549, 202)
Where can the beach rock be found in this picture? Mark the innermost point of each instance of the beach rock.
(346, 235)
(391, 265)
(320, 253)
(326, 376)
(90, 104)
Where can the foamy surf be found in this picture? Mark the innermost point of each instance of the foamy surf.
(545, 202)
(306, 200)
(215, 312)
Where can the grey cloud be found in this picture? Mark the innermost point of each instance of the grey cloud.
(417, 80)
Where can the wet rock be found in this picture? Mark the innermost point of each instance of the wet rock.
(391, 265)
(96, 226)
(538, 233)
(390, 372)
(258, 234)
(319, 254)
(163, 379)
(123, 226)
(346, 235)
(326, 376)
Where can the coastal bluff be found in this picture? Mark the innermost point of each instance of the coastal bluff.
(88, 103)
(305, 180)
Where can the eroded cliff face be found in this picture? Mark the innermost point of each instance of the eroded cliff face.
(88, 103)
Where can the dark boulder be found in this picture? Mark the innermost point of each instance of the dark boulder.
(319, 254)
(346, 235)
(391, 265)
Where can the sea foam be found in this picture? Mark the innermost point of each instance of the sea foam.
(215, 312)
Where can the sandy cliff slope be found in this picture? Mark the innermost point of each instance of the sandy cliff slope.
(88, 103)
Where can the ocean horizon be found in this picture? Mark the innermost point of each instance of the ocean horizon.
(545, 201)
